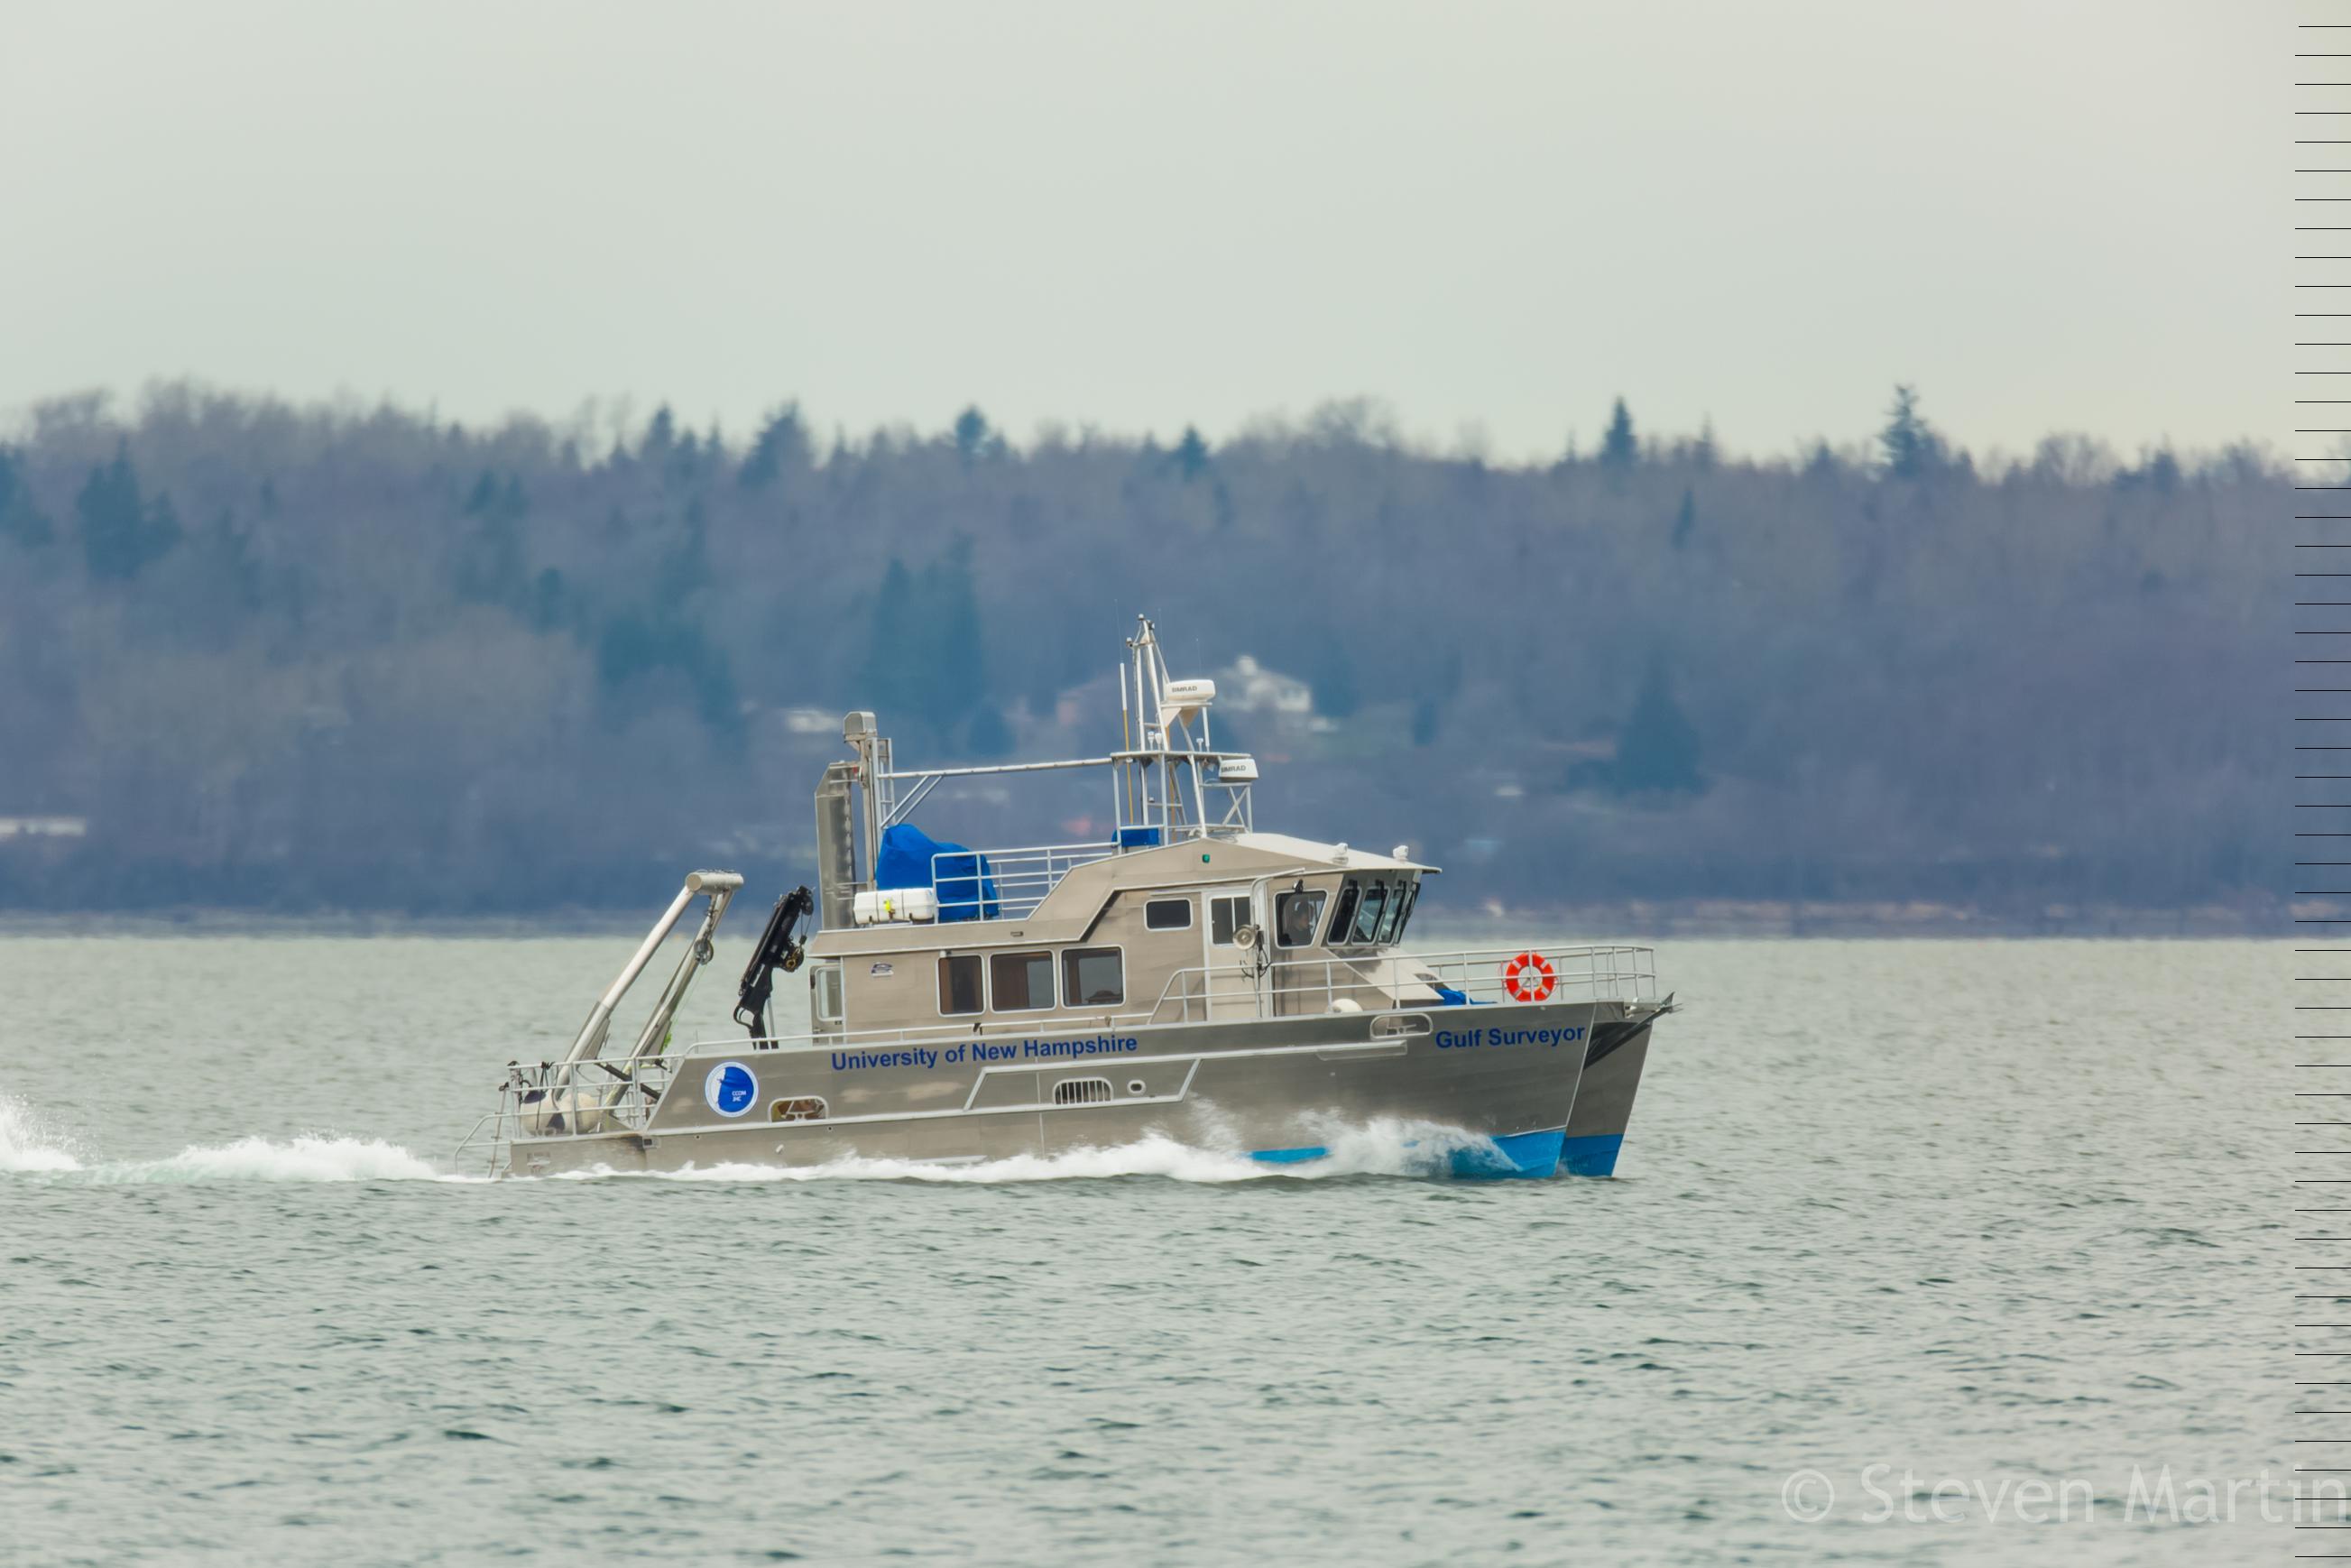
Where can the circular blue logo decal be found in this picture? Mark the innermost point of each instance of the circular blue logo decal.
(730, 1088)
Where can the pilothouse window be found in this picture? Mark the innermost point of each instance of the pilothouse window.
(1295, 915)
(1392, 926)
(1367, 916)
(1342, 918)
(1021, 982)
(959, 983)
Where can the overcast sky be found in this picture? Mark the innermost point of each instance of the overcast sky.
(2048, 215)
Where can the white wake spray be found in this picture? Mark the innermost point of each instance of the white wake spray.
(30, 1147)
(1382, 1147)
(28, 1143)
(305, 1158)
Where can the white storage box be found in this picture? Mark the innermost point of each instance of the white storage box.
(893, 905)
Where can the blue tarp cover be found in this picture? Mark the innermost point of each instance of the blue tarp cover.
(965, 884)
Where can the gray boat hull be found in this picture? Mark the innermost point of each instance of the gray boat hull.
(1604, 1100)
(1277, 1090)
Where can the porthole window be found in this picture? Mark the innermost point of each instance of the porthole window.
(1167, 915)
(1136, 1086)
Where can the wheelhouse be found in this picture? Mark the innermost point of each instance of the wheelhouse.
(1186, 911)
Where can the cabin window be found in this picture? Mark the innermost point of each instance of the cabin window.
(1094, 977)
(1020, 982)
(1295, 915)
(959, 983)
(1367, 913)
(808, 1108)
(824, 990)
(1167, 915)
(1410, 901)
(1342, 918)
(1391, 927)
(1227, 915)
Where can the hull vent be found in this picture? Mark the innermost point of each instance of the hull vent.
(1083, 1092)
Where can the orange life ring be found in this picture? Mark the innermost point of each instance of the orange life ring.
(1528, 978)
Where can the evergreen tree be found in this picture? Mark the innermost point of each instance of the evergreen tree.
(686, 569)
(972, 438)
(888, 681)
(1912, 448)
(484, 498)
(639, 644)
(954, 676)
(925, 670)
(1685, 520)
(1619, 449)
(121, 532)
(1657, 751)
(782, 443)
(661, 435)
(490, 566)
(19, 519)
(1191, 456)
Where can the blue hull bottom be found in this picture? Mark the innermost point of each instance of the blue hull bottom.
(1513, 1154)
(1591, 1157)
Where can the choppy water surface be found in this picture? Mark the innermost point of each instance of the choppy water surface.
(1996, 1212)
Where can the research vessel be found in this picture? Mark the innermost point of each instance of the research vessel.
(1189, 976)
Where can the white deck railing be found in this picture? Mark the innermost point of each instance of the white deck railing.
(1005, 884)
(1294, 988)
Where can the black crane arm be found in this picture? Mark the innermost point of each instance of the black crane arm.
(777, 950)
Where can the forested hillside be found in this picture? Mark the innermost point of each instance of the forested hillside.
(295, 657)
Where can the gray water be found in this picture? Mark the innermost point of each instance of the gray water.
(1992, 1213)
